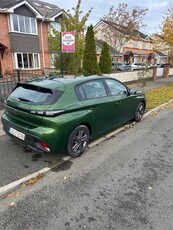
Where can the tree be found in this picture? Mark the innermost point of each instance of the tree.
(120, 25)
(71, 22)
(90, 65)
(163, 40)
(167, 29)
(105, 63)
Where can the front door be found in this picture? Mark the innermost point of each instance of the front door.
(123, 107)
(99, 105)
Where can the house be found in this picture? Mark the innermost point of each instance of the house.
(138, 48)
(162, 51)
(25, 25)
(160, 57)
(99, 47)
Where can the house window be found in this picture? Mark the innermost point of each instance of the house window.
(23, 24)
(15, 23)
(54, 26)
(135, 44)
(27, 61)
(33, 26)
(53, 59)
(144, 45)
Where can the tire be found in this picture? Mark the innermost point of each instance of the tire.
(78, 141)
(139, 112)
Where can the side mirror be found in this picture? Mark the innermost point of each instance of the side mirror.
(132, 91)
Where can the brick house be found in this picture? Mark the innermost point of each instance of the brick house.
(138, 49)
(25, 25)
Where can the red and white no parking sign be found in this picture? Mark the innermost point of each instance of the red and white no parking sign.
(68, 42)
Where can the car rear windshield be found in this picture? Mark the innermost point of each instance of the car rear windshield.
(32, 94)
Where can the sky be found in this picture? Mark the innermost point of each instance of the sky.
(152, 20)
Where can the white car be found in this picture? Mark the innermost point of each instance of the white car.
(138, 65)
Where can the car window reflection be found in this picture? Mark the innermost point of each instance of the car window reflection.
(115, 87)
(91, 90)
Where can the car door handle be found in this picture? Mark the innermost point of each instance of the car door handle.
(94, 108)
(118, 102)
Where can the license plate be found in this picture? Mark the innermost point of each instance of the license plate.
(16, 133)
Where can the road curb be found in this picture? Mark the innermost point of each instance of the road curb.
(16, 184)
(160, 107)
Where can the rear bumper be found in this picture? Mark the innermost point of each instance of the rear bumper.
(30, 140)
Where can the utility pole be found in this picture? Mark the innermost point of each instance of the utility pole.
(61, 55)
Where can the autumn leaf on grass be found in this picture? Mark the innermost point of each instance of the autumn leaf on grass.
(158, 96)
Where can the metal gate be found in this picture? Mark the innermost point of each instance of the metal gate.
(8, 82)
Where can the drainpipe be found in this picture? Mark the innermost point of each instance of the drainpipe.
(42, 42)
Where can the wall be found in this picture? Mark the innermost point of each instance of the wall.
(24, 43)
(171, 71)
(7, 61)
(44, 45)
(129, 76)
(159, 72)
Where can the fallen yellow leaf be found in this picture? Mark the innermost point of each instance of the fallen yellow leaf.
(18, 194)
(12, 203)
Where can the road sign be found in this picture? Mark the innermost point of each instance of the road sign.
(68, 42)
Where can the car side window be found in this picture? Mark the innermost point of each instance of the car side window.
(90, 90)
(80, 93)
(115, 87)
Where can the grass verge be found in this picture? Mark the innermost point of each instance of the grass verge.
(158, 96)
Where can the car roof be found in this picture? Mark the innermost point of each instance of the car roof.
(62, 83)
(77, 80)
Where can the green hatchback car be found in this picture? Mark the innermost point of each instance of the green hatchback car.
(54, 115)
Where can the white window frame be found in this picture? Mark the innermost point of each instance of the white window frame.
(53, 57)
(51, 29)
(135, 44)
(33, 55)
(144, 45)
(18, 31)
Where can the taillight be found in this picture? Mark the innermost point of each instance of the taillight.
(44, 146)
(49, 113)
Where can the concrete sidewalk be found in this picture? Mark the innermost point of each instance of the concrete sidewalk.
(157, 83)
(150, 85)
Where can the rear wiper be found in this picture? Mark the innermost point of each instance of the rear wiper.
(24, 99)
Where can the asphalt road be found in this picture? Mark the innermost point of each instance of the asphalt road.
(124, 183)
(17, 162)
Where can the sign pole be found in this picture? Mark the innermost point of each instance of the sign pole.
(61, 55)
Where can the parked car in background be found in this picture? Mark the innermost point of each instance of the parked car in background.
(120, 66)
(158, 65)
(165, 64)
(137, 65)
(140, 65)
(57, 114)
